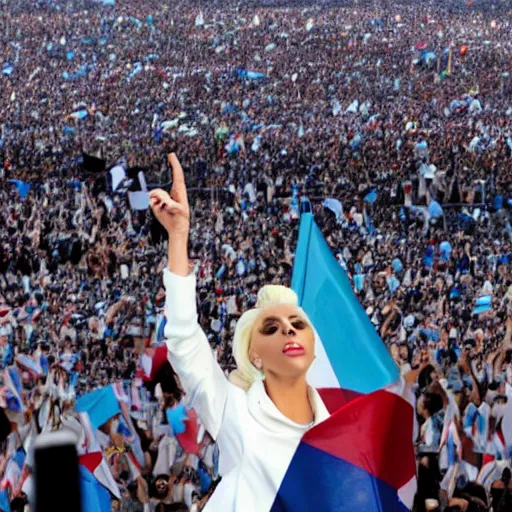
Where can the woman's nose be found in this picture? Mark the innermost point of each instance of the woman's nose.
(289, 331)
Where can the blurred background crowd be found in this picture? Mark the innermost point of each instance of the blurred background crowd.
(394, 119)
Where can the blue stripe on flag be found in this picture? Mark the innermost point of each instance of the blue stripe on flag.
(356, 353)
(101, 405)
(16, 381)
(19, 457)
(94, 497)
(331, 484)
(161, 330)
(4, 501)
(482, 304)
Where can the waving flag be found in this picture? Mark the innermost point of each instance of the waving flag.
(28, 364)
(335, 206)
(101, 405)
(491, 472)
(13, 473)
(371, 197)
(12, 382)
(8, 356)
(251, 75)
(482, 304)
(362, 456)
(184, 425)
(7, 69)
(351, 356)
(91, 457)
(93, 495)
(176, 418)
(126, 427)
(152, 360)
(199, 19)
(4, 501)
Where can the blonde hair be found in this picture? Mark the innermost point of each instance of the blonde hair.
(270, 295)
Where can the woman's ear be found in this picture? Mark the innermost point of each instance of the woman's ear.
(256, 360)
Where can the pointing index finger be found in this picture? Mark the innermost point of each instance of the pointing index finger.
(177, 170)
(178, 179)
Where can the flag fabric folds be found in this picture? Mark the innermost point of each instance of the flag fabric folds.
(251, 75)
(101, 405)
(353, 356)
(482, 304)
(138, 195)
(361, 457)
(335, 206)
(184, 425)
(94, 496)
(22, 188)
(90, 457)
(4, 501)
(29, 365)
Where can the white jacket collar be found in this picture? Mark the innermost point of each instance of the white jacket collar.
(268, 415)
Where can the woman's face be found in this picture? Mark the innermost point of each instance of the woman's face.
(282, 342)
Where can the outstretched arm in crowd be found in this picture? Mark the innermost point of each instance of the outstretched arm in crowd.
(394, 310)
(114, 310)
(189, 351)
(465, 365)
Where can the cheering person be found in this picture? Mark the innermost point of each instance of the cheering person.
(259, 415)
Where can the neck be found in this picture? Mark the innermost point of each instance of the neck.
(291, 397)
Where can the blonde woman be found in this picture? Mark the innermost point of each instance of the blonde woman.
(258, 416)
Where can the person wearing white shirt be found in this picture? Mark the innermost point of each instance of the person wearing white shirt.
(259, 421)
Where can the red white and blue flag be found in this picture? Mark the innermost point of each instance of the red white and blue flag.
(362, 457)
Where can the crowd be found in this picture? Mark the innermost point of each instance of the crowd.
(394, 120)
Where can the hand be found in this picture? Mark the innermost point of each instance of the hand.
(459, 502)
(172, 211)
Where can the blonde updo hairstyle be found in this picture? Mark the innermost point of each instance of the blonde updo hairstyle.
(270, 295)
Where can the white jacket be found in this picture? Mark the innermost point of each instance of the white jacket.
(256, 441)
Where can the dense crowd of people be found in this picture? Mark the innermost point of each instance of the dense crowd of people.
(394, 120)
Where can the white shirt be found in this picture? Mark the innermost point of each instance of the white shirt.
(256, 441)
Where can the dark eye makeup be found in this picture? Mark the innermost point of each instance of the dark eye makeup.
(271, 326)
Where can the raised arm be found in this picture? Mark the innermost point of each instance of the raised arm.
(189, 351)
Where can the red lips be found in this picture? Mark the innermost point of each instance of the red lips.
(293, 349)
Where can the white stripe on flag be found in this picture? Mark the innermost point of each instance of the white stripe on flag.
(321, 374)
(12, 475)
(404, 390)
(91, 445)
(407, 492)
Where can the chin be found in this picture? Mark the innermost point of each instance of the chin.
(296, 370)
